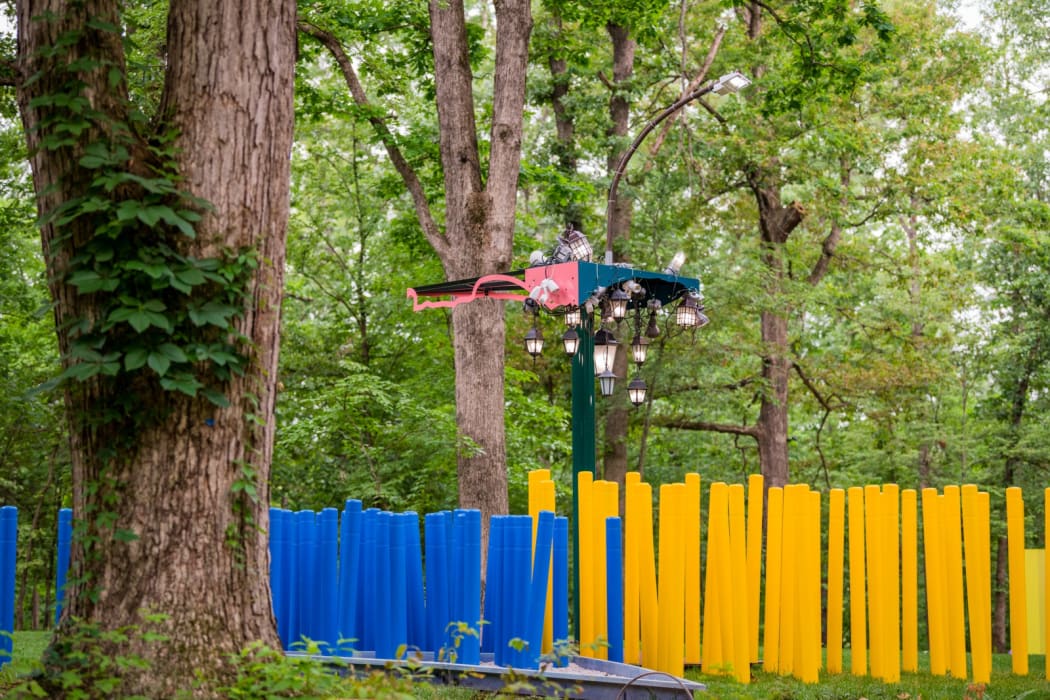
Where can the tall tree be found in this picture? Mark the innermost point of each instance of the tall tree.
(164, 240)
(477, 233)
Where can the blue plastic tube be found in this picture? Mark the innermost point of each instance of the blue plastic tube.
(518, 601)
(386, 643)
(501, 646)
(490, 631)
(560, 609)
(291, 579)
(276, 541)
(65, 538)
(349, 566)
(307, 520)
(470, 646)
(417, 623)
(327, 568)
(8, 542)
(367, 614)
(614, 588)
(435, 534)
(397, 611)
(537, 594)
(455, 583)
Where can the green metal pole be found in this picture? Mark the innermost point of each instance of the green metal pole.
(583, 450)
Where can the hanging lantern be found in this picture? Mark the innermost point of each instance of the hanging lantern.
(618, 304)
(607, 382)
(534, 341)
(636, 391)
(572, 316)
(639, 349)
(571, 341)
(604, 352)
(690, 313)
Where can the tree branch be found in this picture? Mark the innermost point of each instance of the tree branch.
(686, 424)
(408, 175)
(716, 43)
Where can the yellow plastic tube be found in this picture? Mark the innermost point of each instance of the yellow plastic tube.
(809, 604)
(836, 565)
(672, 579)
(789, 608)
(691, 535)
(585, 493)
(857, 584)
(755, 498)
(649, 605)
(891, 658)
(876, 577)
(632, 552)
(936, 583)
(739, 575)
(956, 613)
(909, 581)
(774, 551)
(1018, 585)
(974, 570)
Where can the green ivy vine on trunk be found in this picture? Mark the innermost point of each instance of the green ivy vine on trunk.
(162, 316)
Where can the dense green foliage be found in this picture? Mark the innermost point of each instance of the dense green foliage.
(922, 355)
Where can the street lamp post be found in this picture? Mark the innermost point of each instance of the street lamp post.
(566, 280)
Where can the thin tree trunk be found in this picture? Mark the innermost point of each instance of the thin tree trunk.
(776, 222)
(614, 456)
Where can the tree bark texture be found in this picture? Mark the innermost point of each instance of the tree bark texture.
(228, 97)
(776, 222)
(479, 232)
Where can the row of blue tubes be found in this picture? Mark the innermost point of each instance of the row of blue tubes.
(355, 582)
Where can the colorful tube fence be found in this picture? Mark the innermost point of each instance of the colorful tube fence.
(357, 581)
(669, 619)
(745, 580)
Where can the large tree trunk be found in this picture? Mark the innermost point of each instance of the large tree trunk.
(167, 497)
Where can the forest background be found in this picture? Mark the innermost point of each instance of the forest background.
(901, 323)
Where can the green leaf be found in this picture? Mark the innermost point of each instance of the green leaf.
(173, 352)
(159, 363)
(150, 215)
(217, 398)
(135, 358)
(212, 313)
(184, 382)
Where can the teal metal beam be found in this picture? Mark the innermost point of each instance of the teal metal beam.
(583, 445)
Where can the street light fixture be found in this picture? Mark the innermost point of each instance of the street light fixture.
(571, 341)
(618, 304)
(730, 83)
(636, 391)
(639, 348)
(534, 341)
(572, 317)
(605, 345)
(690, 313)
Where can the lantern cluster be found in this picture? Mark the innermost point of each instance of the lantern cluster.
(611, 308)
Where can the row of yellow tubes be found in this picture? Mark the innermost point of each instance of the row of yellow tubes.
(662, 604)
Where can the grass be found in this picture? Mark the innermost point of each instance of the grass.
(29, 647)
(913, 686)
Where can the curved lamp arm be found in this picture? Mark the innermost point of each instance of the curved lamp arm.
(727, 84)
